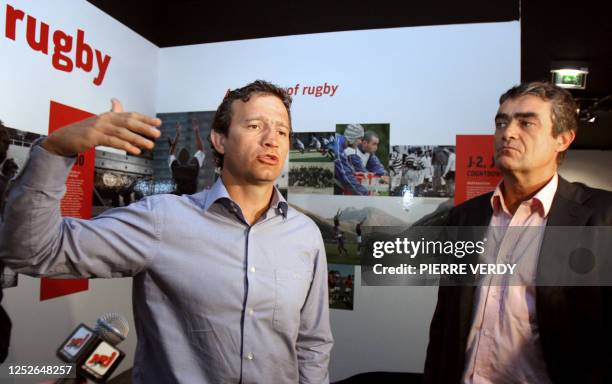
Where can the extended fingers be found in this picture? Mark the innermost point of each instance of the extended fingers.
(131, 137)
(116, 142)
(136, 122)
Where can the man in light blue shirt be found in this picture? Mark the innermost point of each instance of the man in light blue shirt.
(229, 284)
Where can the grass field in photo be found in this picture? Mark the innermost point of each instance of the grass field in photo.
(308, 157)
(333, 256)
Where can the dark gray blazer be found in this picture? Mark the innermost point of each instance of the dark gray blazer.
(574, 322)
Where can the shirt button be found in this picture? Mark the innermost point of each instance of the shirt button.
(252, 269)
(250, 356)
(251, 311)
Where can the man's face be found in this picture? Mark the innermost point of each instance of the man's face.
(370, 146)
(257, 143)
(523, 137)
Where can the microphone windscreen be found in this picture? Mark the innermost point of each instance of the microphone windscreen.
(112, 327)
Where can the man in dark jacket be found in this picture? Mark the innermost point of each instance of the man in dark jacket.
(527, 333)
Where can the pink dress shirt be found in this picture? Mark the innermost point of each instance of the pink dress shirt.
(504, 342)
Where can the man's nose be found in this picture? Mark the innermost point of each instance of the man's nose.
(270, 137)
(511, 130)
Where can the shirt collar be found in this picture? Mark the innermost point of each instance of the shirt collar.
(218, 192)
(543, 198)
(279, 202)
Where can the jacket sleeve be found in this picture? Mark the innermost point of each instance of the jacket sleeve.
(356, 163)
(374, 165)
(36, 240)
(346, 178)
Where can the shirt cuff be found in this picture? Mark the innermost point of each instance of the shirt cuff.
(45, 170)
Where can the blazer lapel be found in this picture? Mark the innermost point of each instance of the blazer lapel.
(482, 216)
(567, 208)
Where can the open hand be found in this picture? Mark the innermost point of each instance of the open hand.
(129, 131)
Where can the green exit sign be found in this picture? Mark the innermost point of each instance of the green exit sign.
(570, 78)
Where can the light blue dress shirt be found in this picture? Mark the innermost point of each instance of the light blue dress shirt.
(215, 300)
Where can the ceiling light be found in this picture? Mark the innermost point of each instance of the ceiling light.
(571, 78)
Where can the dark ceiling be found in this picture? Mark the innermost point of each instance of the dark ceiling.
(550, 31)
(169, 23)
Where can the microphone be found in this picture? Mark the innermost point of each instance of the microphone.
(94, 352)
(112, 327)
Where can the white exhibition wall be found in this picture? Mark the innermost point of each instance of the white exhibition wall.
(429, 83)
(29, 82)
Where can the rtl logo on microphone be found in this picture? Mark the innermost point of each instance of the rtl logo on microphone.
(101, 359)
(77, 344)
(94, 357)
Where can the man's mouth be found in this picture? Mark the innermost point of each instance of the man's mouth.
(507, 148)
(268, 158)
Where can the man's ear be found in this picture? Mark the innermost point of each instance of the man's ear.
(218, 141)
(564, 139)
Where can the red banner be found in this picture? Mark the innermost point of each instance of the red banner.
(476, 172)
(78, 199)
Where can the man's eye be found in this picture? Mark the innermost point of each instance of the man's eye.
(253, 126)
(500, 124)
(283, 133)
(527, 124)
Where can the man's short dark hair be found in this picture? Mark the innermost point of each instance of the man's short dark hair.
(223, 116)
(564, 109)
(183, 156)
(369, 135)
(4, 142)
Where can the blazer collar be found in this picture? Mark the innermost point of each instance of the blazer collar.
(568, 205)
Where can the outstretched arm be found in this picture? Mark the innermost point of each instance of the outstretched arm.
(374, 165)
(196, 128)
(36, 240)
(174, 143)
(129, 131)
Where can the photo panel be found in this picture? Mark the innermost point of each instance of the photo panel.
(341, 219)
(183, 155)
(121, 179)
(361, 159)
(311, 163)
(340, 282)
(422, 170)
